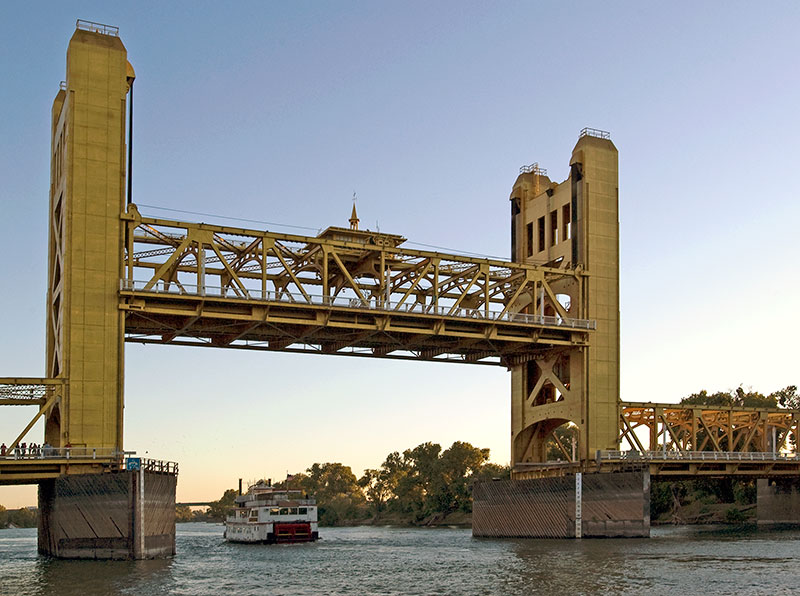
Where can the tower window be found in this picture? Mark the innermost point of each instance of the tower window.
(530, 239)
(553, 228)
(566, 223)
(540, 221)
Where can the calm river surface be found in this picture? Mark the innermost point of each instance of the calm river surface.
(370, 560)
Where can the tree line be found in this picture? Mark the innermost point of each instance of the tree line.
(422, 485)
(427, 484)
(17, 518)
(746, 398)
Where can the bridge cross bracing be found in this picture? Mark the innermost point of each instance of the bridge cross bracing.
(550, 313)
(350, 292)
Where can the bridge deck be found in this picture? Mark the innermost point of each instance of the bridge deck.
(25, 467)
(356, 294)
(673, 464)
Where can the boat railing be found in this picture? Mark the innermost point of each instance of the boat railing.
(277, 503)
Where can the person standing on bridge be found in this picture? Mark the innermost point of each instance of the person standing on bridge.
(2, 449)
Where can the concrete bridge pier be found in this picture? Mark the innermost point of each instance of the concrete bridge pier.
(583, 505)
(778, 501)
(119, 515)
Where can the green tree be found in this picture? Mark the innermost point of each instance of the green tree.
(376, 489)
(427, 481)
(458, 465)
(22, 518)
(490, 471)
(3, 517)
(565, 433)
(381, 486)
(703, 398)
(336, 488)
(738, 397)
(753, 399)
(298, 481)
(219, 510)
(183, 514)
(414, 490)
(787, 397)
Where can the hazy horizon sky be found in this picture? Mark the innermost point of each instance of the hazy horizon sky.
(280, 111)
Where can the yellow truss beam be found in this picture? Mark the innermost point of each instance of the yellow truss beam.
(739, 426)
(187, 283)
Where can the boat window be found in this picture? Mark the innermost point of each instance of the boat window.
(274, 511)
(284, 511)
(293, 511)
(302, 510)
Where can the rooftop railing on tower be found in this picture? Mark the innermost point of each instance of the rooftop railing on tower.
(533, 169)
(595, 132)
(97, 28)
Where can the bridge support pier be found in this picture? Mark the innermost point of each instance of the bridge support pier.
(597, 505)
(122, 515)
(778, 501)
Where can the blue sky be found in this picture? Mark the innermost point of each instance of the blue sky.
(280, 111)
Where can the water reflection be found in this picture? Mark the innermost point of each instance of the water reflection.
(421, 561)
(115, 578)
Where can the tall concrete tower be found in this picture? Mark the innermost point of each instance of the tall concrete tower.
(85, 328)
(572, 224)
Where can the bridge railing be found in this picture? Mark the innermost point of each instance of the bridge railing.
(356, 303)
(702, 456)
(117, 460)
(159, 466)
(42, 452)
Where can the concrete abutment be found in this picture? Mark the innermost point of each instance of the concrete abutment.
(121, 515)
(594, 505)
(778, 501)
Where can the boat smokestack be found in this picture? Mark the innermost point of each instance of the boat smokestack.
(240, 487)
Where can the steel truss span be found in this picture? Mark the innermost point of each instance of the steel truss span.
(357, 294)
(711, 440)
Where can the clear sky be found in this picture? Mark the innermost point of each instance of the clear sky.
(280, 111)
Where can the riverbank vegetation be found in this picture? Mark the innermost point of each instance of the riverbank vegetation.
(703, 501)
(17, 518)
(421, 486)
(427, 485)
(745, 398)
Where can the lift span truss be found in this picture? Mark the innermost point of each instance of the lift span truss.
(708, 439)
(205, 285)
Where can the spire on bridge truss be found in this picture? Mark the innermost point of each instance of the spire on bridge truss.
(354, 216)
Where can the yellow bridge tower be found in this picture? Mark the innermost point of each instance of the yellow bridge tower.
(572, 225)
(550, 315)
(85, 328)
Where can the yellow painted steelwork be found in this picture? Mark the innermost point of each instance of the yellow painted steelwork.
(114, 275)
(84, 324)
(550, 314)
(572, 225)
(694, 428)
(347, 291)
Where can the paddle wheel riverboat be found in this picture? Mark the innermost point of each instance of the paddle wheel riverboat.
(269, 515)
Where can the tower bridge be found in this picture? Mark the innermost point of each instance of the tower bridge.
(549, 314)
(346, 291)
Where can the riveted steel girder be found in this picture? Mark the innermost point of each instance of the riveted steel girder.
(204, 285)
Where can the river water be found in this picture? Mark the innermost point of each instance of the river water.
(377, 560)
